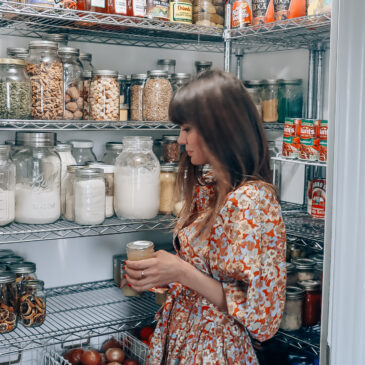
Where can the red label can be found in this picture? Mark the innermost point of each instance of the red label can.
(323, 141)
(262, 11)
(298, 124)
(318, 198)
(291, 141)
(288, 9)
(309, 143)
(241, 13)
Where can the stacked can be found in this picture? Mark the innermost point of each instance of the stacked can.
(323, 140)
(291, 140)
(309, 140)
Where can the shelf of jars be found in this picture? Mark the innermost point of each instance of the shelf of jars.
(81, 311)
(28, 20)
(280, 158)
(16, 232)
(304, 32)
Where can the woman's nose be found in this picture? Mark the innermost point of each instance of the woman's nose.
(181, 139)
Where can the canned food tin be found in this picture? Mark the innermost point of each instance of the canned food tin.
(323, 141)
(262, 11)
(291, 142)
(318, 198)
(309, 143)
(241, 13)
(289, 9)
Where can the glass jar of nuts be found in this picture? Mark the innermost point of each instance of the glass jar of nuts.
(170, 149)
(8, 302)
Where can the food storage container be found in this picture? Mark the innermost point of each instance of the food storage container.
(82, 151)
(15, 90)
(136, 96)
(157, 95)
(269, 97)
(167, 65)
(89, 189)
(8, 300)
(7, 186)
(179, 79)
(112, 151)
(181, 11)
(209, 13)
(201, 66)
(312, 302)
(254, 89)
(44, 67)
(38, 173)
(292, 316)
(137, 180)
(60, 39)
(290, 98)
(305, 269)
(16, 52)
(123, 112)
(170, 149)
(85, 59)
(86, 77)
(291, 275)
(122, 88)
(167, 186)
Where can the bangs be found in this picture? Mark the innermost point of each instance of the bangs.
(179, 111)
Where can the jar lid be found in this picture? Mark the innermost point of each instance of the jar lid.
(170, 138)
(269, 82)
(89, 172)
(171, 62)
(3, 268)
(122, 77)
(36, 139)
(63, 147)
(124, 106)
(181, 76)
(168, 167)
(43, 44)
(33, 283)
(251, 83)
(55, 37)
(6, 253)
(7, 277)
(204, 63)
(68, 51)
(303, 264)
(136, 139)
(108, 169)
(114, 146)
(290, 268)
(73, 168)
(139, 245)
(23, 268)
(138, 76)
(309, 285)
(12, 61)
(16, 50)
(157, 73)
(290, 81)
(85, 56)
(5, 148)
(82, 144)
(318, 258)
(86, 74)
(294, 292)
(11, 260)
(110, 73)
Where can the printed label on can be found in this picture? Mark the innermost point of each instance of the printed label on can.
(298, 125)
(120, 6)
(42, 2)
(139, 8)
(291, 147)
(241, 14)
(318, 198)
(159, 9)
(309, 143)
(322, 151)
(289, 127)
(262, 11)
(181, 12)
(98, 3)
(287, 9)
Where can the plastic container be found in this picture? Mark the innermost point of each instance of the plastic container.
(292, 316)
(136, 96)
(112, 151)
(179, 79)
(82, 151)
(7, 186)
(8, 319)
(269, 97)
(290, 98)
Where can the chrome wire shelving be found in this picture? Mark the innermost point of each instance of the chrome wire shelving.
(280, 158)
(80, 311)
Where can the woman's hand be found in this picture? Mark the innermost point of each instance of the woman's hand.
(164, 268)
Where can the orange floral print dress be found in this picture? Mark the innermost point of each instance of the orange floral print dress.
(245, 251)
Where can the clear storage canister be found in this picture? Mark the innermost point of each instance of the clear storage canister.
(44, 67)
(8, 300)
(137, 180)
(157, 95)
(15, 91)
(305, 269)
(60, 39)
(136, 95)
(89, 196)
(291, 275)
(7, 186)
(167, 65)
(104, 95)
(269, 97)
(179, 79)
(73, 83)
(112, 151)
(16, 52)
(254, 89)
(82, 151)
(85, 59)
(290, 97)
(201, 66)
(86, 76)
(38, 172)
(292, 316)
(32, 303)
(170, 149)
(167, 186)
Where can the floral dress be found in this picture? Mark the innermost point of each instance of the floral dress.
(245, 251)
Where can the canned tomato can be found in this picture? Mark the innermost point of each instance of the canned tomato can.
(322, 151)
(262, 11)
(291, 142)
(318, 198)
(288, 9)
(298, 124)
(309, 143)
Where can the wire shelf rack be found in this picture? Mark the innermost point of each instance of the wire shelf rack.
(80, 311)
(17, 232)
(280, 158)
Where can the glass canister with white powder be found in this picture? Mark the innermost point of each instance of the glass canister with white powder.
(112, 151)
(38, 172)
(7, 186)
(89, 191)
(137, 180)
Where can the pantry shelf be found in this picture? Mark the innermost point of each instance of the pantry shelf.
(280, 158)
(16, 232)
(80, 311)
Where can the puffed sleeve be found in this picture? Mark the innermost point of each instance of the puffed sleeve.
(247, 254)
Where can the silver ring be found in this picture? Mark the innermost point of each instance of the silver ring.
(142, 275)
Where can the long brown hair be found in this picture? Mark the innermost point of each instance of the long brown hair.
(217, 104)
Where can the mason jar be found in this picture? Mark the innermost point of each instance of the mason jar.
(201, 66)
(312, 302)
(170, 149)
(179, 79)
(38, 172)
(73, 83)
(122, 88)
(136, 96)
(18, 53)
(167, 65)
(44, 68)
(82, 151)
(291, 275)
(15, 91)
(32, 303)
(7, 186)
(290, 96)
(157, 149)
(269, 104)
(86, 76)
(137, 180)
(85, 59)
(292, 316)
(8, 300)
(60, 39)
(167, 188)
(305, 269)
(11, 260)
(254, 89)
(112, 151)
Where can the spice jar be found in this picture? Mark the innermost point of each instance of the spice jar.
(7, 186)
(85, 59)
(19, 53)
(157, 9)
(291, 275)
(109, 186)
(171, 149)
(208, 13)
(167, 65)
(82, 151)
(8, 302)
(292, 316)
(312, 302)
(290, 98)
(136, 251)
(112, 151)
(15, 91)
(269, 97)
(167, 186)
(201, 66)
(44, 68)
(104, 96)
(137, 180)
(157, 94)
(38, 172)
(60, 39)
(32, 304)
(305, 269)
(254, 89)
(136, 96)
(72, 83)
(179, 79)
(89, 196)
(86, 77)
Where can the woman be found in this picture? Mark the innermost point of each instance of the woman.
(227, 281)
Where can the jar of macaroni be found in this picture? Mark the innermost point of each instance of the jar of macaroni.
(269, 104)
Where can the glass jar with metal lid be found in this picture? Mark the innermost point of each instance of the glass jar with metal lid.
(291, 275)
(105, 96)
(318, 259)
(73, 83)
(122, 88)
(112, 151)
(32, 303)
(179, 79)
(292, 316)
(136, 94)
(170, 149)
(157, 95)
(38, 172)
(3, 268)
(269, 97)
(312, 302)
(6, 253)
(167, 186)
(11, 260)
(60, 39)
(305, 269)
(89, 196)
(82, 151)
(17, 52)
(201, 66)
(8, 300)
(7, 186)
(167, 65)
(86, 77)
(290, 98)
(44, 67)
(85, 59)
(254, 88)
(15, 91)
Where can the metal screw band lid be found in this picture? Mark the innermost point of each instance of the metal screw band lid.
(290, 81)
(160, 73)
(11, 260)
(23, 268)
(253, 83)
(269, 82)
(55, 37)
(294, 292)
(63, 51)
(33, 283)
(63, 147)
(7, 277)
(303, 264)
(108, 169)
(43, 44)
(89, 172)
(290, 268)
(3, 268)
(139, 245)
(114, 146)
(6, 252)
(13, 51)
(36, 139)
(170, 62)
(72, 168)
(170, 138)
(181, 76)
(86, 56)
(87, 74)
(109, 73)
(138, 76)
(203, 63)
(168, 167)
(309, 285)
